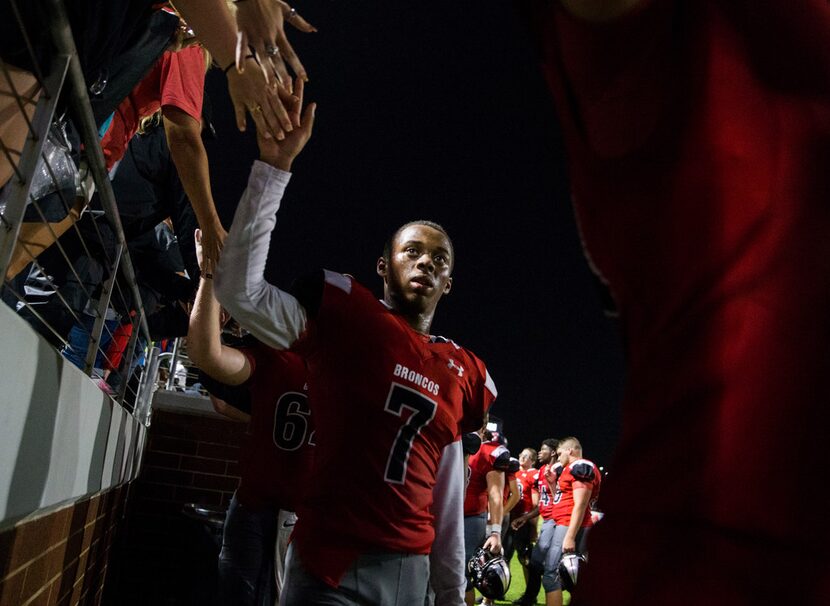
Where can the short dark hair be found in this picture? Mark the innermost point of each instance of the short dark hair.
(551, 443)
(387, 247)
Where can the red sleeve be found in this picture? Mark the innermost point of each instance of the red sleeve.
(481, 393)
(251, 354)
(183, 80)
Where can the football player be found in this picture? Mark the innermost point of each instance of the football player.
(381, 388)
(280, 438)
(576, 487)
(484, 498)
(521, 540)
(544, 488)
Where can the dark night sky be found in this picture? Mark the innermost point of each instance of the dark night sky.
(440, 112)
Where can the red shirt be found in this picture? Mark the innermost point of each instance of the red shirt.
(177, 79)
(480, 464)
(276, 459)
(579, 474)
(386, 401)
(525, 480)
(698, 155)
(540, 485)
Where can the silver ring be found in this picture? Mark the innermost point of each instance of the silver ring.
(291, 14)
(272, 50)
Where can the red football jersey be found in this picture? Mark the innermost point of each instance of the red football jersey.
(698, 155)
(276, 459)
(525, 480)
(386, 400)
(545, 496)
(579, 474)
(480, 464)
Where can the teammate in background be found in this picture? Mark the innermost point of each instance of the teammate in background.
(382, 390)
(521, 540)
(698, 140)
(512, 495)
(577, 486)
(484, 499)
(550, 468)
(276, 458)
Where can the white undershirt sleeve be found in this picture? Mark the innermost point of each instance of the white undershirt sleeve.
(272, 315)
(446, 561)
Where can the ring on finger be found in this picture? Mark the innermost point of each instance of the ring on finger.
(291, 14)
(272, 50)
(256, 108)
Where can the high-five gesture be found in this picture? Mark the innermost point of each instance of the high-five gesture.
(281, 154)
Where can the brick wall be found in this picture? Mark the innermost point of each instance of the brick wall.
(164, 557)
(60, 558)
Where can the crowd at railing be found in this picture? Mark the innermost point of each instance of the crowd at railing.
(97, 238)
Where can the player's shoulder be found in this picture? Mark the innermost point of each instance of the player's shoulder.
(314, 288)
(583, 470)
(464, 362)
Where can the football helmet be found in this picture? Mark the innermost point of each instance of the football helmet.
(569, 569)
(489, 573)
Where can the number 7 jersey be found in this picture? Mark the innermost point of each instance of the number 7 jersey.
(385, 400)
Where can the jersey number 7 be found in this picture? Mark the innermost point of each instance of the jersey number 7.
(423, 410)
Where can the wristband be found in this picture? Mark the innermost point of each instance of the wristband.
(227, 69)
(494, 529)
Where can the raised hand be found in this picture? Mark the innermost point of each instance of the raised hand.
(281, 153)
(261, 28)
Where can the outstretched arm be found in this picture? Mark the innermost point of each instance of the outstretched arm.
(270, 314)
(204, 341)
(184, 138)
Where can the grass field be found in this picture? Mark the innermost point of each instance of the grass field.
(517, 586)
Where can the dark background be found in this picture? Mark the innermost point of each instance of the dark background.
(440, 112)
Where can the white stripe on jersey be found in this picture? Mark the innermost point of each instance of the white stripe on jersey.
(489, 384)
(338, 280)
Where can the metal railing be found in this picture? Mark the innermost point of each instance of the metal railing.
(66, 265)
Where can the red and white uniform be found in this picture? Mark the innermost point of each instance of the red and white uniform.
(385, 399)
(525, 480)
(582, 473)
(540, 485)
(392, 399)
(698, 161)
(276, 459)
(491, 456)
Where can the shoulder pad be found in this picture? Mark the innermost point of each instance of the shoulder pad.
(501, 458)
(470, 442)
(513, 466)
(583, 470)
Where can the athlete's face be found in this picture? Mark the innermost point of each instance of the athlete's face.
(545, 454)
(563, 455)
(525, 459)
(417, 273)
